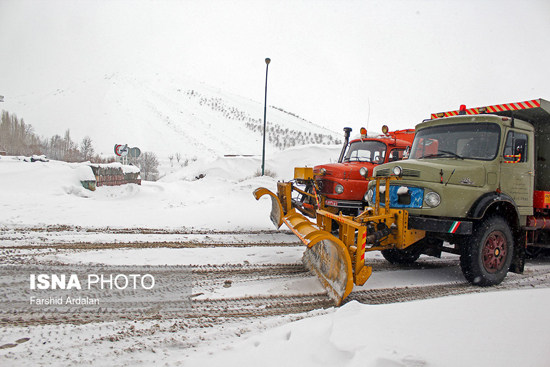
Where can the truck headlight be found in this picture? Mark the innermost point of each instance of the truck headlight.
(363, 171)
(397, 170)
(432, 199)
(339, 189)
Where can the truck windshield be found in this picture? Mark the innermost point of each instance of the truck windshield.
(366, 151)
(464, 141)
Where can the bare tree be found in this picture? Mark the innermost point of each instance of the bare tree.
(148, 165)
(19, 138)
(86, 148)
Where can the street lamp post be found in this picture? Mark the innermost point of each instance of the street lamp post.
(267, 61)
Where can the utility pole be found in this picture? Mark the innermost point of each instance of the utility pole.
(267, 61)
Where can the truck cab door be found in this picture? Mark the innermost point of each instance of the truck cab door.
(517, 176)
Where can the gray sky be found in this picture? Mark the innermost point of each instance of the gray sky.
(336, 63)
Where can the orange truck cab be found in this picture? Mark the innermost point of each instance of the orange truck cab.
(344, 184)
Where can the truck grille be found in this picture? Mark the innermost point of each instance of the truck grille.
(406, 172)
(383, 172)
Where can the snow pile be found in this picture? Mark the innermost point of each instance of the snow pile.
(203, 195)
(241, 168)
(85, 173)
(126, 168)
(500, 329)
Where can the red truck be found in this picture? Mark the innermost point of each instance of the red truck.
(341, 187)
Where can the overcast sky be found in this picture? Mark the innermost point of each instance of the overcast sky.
(336, 63)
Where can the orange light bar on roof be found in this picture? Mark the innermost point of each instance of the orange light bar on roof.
(363, 133)
(534, 103)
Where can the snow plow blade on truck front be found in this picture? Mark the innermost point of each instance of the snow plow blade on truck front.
(325, 255)
(339, 262)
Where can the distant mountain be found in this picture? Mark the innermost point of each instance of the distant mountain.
(165, 113)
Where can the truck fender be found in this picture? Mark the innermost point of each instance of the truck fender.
(479, 208)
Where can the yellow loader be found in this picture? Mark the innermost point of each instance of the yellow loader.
(336, 244)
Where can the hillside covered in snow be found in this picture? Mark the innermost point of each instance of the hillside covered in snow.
(163, 112)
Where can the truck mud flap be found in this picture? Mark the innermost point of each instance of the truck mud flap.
(326, 255)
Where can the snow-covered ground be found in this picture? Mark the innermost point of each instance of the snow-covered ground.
(507, 328)
(50, 193)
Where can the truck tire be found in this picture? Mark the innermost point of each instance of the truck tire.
(486, 255)
(401, 257)
(411, 253)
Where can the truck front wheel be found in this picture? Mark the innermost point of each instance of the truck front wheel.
(400, 257)
(404, 257)
(486, 255)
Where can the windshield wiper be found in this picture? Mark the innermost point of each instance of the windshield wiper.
(442, 153)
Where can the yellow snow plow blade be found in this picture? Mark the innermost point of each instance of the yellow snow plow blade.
(276, 215)
(339, 262)
(325, 255)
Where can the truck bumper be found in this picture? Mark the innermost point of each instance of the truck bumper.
(441, 225)
(348, 207)
(344, 204)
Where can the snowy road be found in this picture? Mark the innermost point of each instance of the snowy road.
(214, 275)
(236, 286)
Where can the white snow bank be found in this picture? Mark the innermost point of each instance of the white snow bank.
(476, 330)
(221, 200)
(240, 168)
(126, 168)
(85, 173)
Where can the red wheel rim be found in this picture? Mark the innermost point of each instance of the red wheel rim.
(494, 252)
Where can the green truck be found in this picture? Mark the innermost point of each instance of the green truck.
(477, 181)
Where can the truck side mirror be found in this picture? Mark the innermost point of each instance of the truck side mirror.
(520, 146)
(520, 150)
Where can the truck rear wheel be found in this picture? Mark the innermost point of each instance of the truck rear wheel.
(486, 255)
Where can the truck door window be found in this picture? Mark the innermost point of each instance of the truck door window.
(515, 149)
